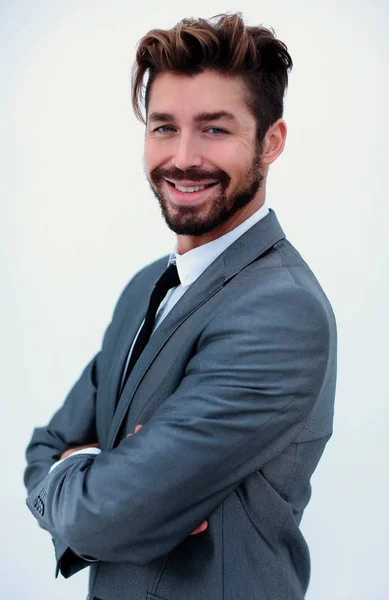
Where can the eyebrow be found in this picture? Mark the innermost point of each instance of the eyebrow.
(199, 118)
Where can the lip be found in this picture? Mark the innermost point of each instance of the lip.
(189, 197)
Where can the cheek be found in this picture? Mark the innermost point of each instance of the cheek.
(236, 170)
(230, 158)
(153, 155)
(148, 159)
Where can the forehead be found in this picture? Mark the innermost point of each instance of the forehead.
(185, 96)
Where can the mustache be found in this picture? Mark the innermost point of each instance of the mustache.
(192, 174)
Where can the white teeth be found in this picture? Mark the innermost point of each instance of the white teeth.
(190, 189)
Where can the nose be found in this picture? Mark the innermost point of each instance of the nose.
(187, 153)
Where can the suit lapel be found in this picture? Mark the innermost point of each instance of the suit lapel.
(198, 293)
(244, 250)
(120, 354)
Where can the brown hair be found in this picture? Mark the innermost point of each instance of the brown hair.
(226, 46)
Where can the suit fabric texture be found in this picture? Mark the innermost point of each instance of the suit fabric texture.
(235, 390)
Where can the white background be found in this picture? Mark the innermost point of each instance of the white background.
(78, 219)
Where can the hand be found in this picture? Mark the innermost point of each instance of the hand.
(71, 450)
(204, 524)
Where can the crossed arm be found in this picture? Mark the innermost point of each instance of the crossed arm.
(244, 398)
(202, 527)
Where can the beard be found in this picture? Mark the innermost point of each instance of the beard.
(198, 220)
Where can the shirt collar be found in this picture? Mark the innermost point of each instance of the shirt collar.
(194, 262)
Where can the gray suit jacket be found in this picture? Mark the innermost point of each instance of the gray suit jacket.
(235, 392)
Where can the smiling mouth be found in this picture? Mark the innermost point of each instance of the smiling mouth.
(190, 189)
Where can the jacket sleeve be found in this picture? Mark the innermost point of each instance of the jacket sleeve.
(246, 393)
(74, 424)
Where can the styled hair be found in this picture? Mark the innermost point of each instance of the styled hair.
(226, 46)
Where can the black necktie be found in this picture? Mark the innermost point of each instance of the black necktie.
(169, 279)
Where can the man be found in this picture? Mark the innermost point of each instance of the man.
(211, 401)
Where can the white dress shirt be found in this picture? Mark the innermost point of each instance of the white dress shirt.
(189, 266)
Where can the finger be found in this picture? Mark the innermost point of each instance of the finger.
(136, 430)
(200, 528)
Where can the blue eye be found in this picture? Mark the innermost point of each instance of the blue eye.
(217, 129)
(163, 127)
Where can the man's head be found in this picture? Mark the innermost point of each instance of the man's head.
(214, 102)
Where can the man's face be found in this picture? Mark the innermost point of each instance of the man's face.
(200, 133)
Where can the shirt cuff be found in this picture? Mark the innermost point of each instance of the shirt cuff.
(90, 450)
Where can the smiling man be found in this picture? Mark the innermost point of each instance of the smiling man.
(179, 465)
(214, 181)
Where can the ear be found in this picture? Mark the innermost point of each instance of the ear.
(274, 142)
